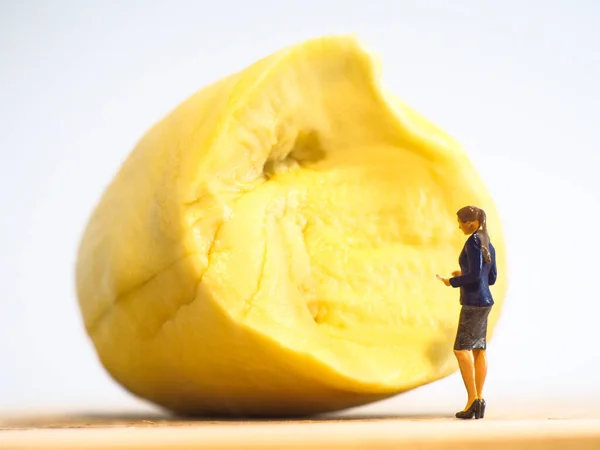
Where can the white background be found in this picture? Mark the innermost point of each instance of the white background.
(517, 82)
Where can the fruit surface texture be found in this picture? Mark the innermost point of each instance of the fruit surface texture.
(269, 248)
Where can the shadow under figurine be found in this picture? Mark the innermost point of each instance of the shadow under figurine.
(477, 273)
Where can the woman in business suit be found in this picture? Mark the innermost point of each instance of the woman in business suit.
(477, 272)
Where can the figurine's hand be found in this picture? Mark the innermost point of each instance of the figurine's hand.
(444, 280)
(456, 273)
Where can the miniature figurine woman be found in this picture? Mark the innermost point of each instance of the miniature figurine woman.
(477, 272)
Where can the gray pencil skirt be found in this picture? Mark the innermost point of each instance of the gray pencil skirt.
(472, 328)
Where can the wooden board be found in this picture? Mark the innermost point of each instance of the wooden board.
(352, 432)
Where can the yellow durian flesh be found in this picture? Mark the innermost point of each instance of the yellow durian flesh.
(270, 247)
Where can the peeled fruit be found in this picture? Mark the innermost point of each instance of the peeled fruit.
(270, 247)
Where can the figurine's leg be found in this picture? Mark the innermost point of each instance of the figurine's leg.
(480, 370)
(466, 364)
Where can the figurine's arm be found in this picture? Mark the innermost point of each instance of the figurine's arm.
(475, 258)
(493, 270)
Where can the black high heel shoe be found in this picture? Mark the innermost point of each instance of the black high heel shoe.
(481, 409)
(473, 412)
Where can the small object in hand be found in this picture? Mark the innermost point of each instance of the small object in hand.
(445, 280)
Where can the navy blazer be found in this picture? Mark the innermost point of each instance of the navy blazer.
(476, 276)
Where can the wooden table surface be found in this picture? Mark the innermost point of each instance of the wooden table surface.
(557, 428)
